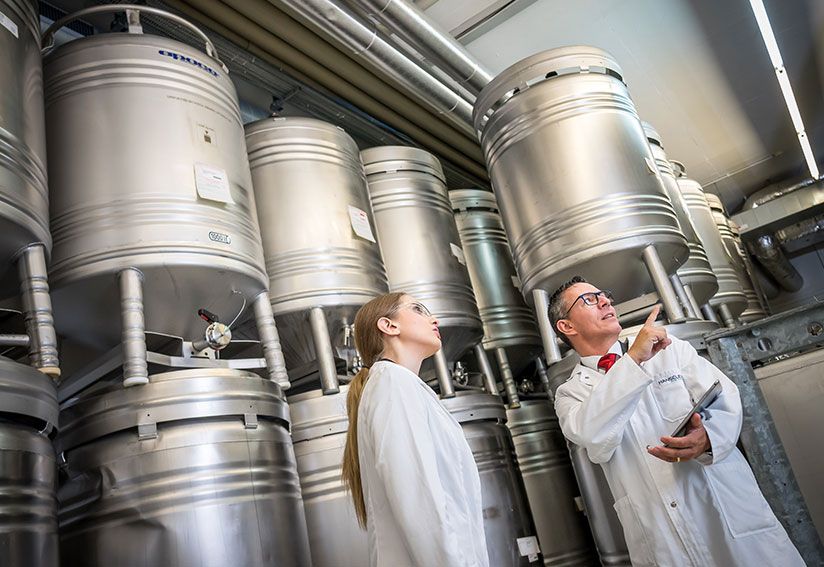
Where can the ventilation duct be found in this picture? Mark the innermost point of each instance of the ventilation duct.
(772, 258)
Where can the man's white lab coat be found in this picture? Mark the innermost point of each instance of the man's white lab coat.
(707, 511)
(421, 485)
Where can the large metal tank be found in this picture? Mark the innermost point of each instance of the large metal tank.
(696, 274)
(420, 241)
(28, 468)
(316, 225)
(24, 205)
(732, 242)
(194, 468)
(507, 320)
(507, 516)
(730, 298)
(550, 484)
(319, 425)
(573, 174)
(148, 170)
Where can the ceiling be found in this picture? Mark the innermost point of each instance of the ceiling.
(697, 70)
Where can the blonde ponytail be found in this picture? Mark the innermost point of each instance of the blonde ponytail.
(369, 342)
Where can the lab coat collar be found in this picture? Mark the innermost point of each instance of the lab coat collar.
(618, 348)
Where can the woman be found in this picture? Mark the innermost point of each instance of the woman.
(410, 471)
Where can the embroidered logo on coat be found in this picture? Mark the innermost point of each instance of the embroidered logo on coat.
(671, 378)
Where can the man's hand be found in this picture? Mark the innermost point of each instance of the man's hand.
(679, 449)
(650, 339)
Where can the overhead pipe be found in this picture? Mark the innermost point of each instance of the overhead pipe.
(772, 258)
(360, 88)
(330, 19)
(424, 35)
(773, 192)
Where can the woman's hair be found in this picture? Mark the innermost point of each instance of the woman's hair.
(369, 342)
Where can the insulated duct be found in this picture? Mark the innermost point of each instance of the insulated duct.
(772, 258)
(329, 19)
(418, 30)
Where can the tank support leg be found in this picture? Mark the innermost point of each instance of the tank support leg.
(540, 367)
(34, 288)
(693, 303)
(270, 341)
(323, 350)
(490, 383)
(133, 338)
(509, 380)
(444, 375)
(710, 314)
(726, 316)
(548, 337)
(662, 285)
(681, 293)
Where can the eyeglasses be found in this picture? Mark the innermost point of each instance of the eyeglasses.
(419, 308)
(590, 299)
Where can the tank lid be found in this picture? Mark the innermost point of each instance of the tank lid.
(520, 76)
(466, 199)
(391, 159)
(289, 125)
(28, 393)
(533, 415)
(469, 405)
(652, 134)
(315, 415)
(171, 396)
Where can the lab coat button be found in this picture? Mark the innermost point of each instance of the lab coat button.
(673, 504)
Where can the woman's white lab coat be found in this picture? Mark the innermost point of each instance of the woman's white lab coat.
(708, 511)
(421, 485)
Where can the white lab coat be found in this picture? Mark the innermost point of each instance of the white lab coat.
(420, 481)
(708, 511)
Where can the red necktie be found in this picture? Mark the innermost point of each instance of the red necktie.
(606, 361)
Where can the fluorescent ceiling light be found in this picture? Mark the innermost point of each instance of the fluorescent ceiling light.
(784, 82)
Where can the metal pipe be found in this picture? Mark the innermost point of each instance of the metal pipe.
(681, 293)
(331, 20)
(490, 383)
(444, 375)
(135, 367)
(710, 314)
(34, 289)
(726, 316)
(419, 31)
(662, 285)
(11, 340)
(268, 34)
(540, 367)
(270, 340)
(324, 352)
(509, 380)
(771, 256)
(693, 302)
(548, 337)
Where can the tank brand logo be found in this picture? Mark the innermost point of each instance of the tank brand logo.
(189, 60)
(220, 237)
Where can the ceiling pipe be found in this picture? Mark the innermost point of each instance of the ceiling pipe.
(773, 192)
(358, 89)
(418, 30)
(772, 258)
(329, 19)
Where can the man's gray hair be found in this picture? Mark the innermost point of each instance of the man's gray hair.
(557, 308)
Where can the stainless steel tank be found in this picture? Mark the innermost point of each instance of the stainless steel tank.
(194, 468)
(732, 242)
(24, 205)
(550, 484)
(148, 170)
(575, 179)
(507, 320)
(730, 297)
(316, 224)
(28, 468)
(507, 516)
(420, 241)
(696, 274)
(319, 425)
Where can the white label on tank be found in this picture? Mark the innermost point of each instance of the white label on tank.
(6, 22)
(360, 223)
(457, 251)
(529, 546)
(651, 166)
(212, 183)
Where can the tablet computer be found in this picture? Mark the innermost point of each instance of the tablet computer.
(702, 404)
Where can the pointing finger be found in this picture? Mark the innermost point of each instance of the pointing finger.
(653, 316)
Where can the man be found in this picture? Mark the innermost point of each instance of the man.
(690, 500)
